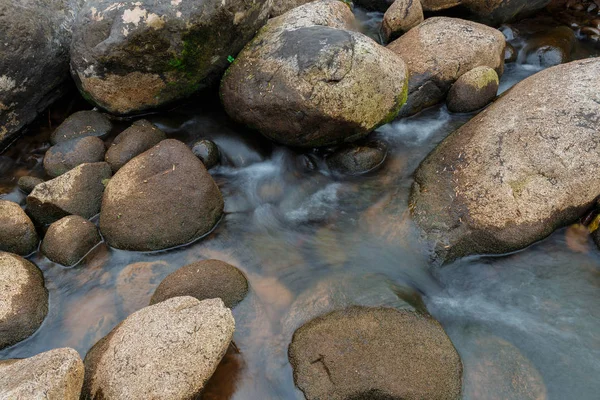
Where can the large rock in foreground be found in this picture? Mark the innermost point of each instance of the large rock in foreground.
(165, 351)
(54, 375)
(23, 299)
(160, 199)
(17, 233)
(34, 61)
(305, 81)
(491, 12)
(132, 56)
(375, 353)
(520, 169)
(439, 50)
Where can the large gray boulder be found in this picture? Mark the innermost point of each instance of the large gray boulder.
(520, 169)
(23, 299)
(132, 56)
(441, 49)
(165, 351)
(375, 353)
(54, 375)
(491, 12)
(34, 61)
(78, 192)
(307, 80)
(160, 199)
(17, 233)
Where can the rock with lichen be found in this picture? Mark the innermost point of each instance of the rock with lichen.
(473, 90)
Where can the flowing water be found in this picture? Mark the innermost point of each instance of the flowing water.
(527, 325)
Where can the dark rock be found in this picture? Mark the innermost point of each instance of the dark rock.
(357, 159)
(159, 51)
(474, 90)
(202, 280)
(133, 141)
(490, 12)
(65, 156)
(34, 61)
(307, 81)
(522, 168)
(23, 299)
(374, 5)
(162, 198)
(28, 183)
(77, 192)
(69, 239)
(551, 48)
(375, 353)
(82, 124)
(401, 17)
(510, 54)
(17, 233)
(207, 151)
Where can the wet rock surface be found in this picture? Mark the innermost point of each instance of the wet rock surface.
(82, 124)
(549, 48)
(357, 159)
(207, 151)
(473, 90)
(441, 49)
(139, 137)
(167, 187)
(502, 192)
(23, 299)
(67, 155)
(490, 12)
(78, 192)
(375, 353)
(168, 350)
(69, 239)
(159, 51)
(306, 81)
(203, 280)
(17, 233)
(54, 375)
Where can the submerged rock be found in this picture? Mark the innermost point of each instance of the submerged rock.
(160, 199)
(440, 50)
(65, 156)
(28, 183)
(491, 12)
(473, 90)
(357, 159)
(518, 170)
(305, 80)
(547, 49)
(69, 239)
(202, 280)
(134, 56)
(23, 299)
(207, 151)
(54, 375)
(401, 17)
(82, 124)
(78, 192)
(34, 61)
(17, 233)
(168, 351)
(139, 137)
(375, 353)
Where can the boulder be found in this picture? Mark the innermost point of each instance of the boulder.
(65, 156)
(491, 12)
(401, 17)
(375, 353)
(82, 124)
(374, 5)
(357, 159)
(34, 62)
(69, 239)
(305, 81)
(54, 375)
(131, 57)
(202, 280)
(207, 151)
(440, 50)
(160, 199)
(23, 299)
(139, 137)
(78, 192)
(17, 233)
(518, 170)
(28, 183)
(282, 6)
(473, 90)
(165, 351)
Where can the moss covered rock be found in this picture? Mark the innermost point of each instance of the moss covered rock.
(131, 56)
(473, 90)
(306, 81)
